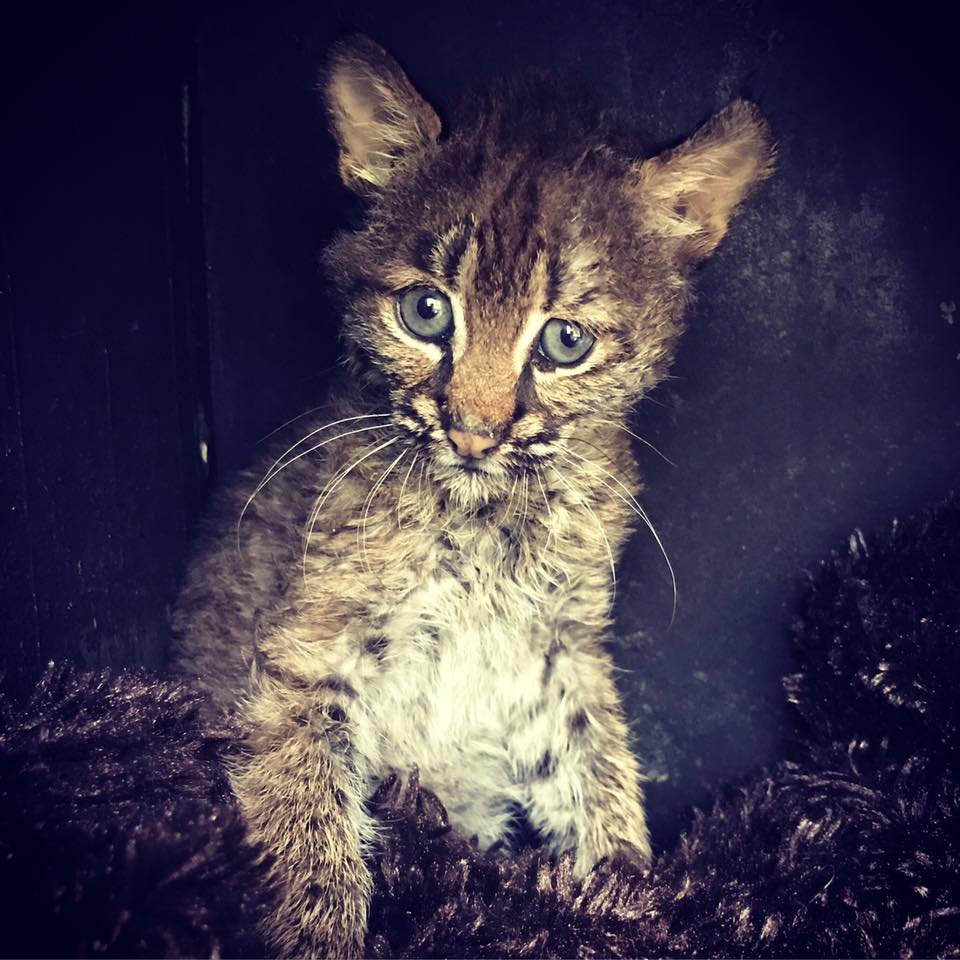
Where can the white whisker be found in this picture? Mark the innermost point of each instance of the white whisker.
(603, 533)
(286, 423)
(279, 464)
(423, 467)
(636, 436)
(526, 498)
(362, 527)
(551, 527)
(403, 487)
(543, 490)
(513, 490)
(631, 501)
(330, 488)
(326, 426)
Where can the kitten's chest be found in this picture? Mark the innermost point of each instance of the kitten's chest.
(464, 652)
(476, 578)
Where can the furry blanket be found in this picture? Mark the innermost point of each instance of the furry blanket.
(117, 836)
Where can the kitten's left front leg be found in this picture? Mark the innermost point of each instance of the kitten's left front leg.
(583, 779)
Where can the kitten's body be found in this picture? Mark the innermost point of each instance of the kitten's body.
(425, 579)
(464, 642)
(446, 634)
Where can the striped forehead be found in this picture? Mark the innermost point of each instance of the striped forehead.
(506, 268)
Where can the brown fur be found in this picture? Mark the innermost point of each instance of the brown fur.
(453, 619)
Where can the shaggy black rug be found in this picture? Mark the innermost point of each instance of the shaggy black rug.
(117, 836)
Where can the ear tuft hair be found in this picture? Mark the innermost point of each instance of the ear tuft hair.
(693, 190)
(378, 118)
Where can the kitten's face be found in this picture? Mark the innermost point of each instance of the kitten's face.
(519, 280)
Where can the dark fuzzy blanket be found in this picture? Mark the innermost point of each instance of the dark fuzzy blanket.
(117, 836)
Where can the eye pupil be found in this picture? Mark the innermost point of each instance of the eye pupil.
(570, 336)
(428, 307)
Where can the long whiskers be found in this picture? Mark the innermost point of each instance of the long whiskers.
(526, 499)
(551, 527)
(329, 489)
(281, 464)
(633, 504)
(423, 467)
(313, 433)
(543, 490)
(286, 423)
(362, 527)
(509, 509)
(332, 483)
(403, 487)
(636, 436)
(581, 498)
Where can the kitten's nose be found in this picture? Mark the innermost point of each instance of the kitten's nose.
(470, 444)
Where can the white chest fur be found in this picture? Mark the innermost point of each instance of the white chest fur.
(463, 660)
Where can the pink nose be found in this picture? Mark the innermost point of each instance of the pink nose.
(470, 444)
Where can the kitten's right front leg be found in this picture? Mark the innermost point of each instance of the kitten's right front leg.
(303, 800)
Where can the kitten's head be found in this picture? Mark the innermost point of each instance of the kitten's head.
(519, 275)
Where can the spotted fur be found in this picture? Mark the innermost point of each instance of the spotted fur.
(384, 604)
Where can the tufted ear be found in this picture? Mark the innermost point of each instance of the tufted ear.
(691, 191)
(378, 117)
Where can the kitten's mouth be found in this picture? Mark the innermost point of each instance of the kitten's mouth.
(454, 465)
(472, 465)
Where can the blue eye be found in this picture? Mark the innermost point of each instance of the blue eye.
(564, 342)
(426, 313)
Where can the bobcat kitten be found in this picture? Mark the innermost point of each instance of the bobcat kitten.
(424, 579)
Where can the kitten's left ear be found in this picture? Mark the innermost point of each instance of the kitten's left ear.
(692, 191)
(378, 117)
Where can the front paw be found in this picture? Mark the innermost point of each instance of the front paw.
(320, 921)
(633, 858)
(635, 853)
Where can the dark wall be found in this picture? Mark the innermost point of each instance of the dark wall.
(818, 388)
(103, 361)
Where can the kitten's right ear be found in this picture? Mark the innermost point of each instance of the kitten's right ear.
(694, 189)
(378, 117)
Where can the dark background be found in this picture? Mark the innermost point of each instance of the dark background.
(167, 181)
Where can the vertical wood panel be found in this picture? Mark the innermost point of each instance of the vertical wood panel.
(104, 383)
